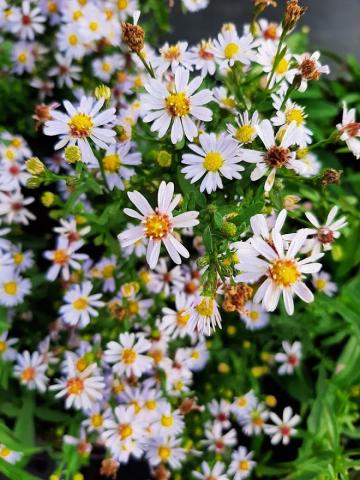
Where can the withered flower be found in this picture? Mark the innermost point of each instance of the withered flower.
(331, 176)
(293, 13)
(109, 468)
(235, 297)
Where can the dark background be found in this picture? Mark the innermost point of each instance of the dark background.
(334, 24)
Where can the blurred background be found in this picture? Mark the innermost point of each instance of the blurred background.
(334, 24)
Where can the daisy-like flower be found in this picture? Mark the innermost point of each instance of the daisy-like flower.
(96, 418)
(254, 316)
(310, 163)
(23, 58)
(195, 5)
(168, 422)
(65, 72)
(283, 428)
(217, 441)
(284, 272)
(13, 289)
(116, 163)
(13, 175)
(214, 157)
(164, 450)
(322, 282)
(350, 130)
(224, 100)
(292, 113)
(309, 68)
(81, 123)
(128, 355)
(126, 8)
(214, 473)
(172, 56)
(290, 358)
(220, 410)
(175, 322)
(80, 305)
(158, 225)
(323, 235)
(7, 353)
(27, 22)
(30, 369)
(13, 208)
(106, 270)
(175, 105)
(276, 156)
(241, 464)
(165, 280)
(64, 257)
(204, 315)
(81, 389)
(69, 229)
(10, 456)
(103, 68)
(203, 58)
(229, 48)
(245, 130)
(243, 404)
(69, 41)
(253, 421)
(283, 70)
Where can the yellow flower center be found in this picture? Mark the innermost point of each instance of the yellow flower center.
(4, 452)
(151, 404)
(22, 57)
(129, 356)
(3, 346)
(93, 26)
(231, 50)
(182, 318)
(122, 4)
(52, 7)
(117, 387)
(106, 67)
(213, 161)
(157, 226)
(172, 53)
(77, 14)
(96, 420)
(164, 453)
(60, 256)
(178, 385)
(320, 284)
(229, 102)
(111, 162)
(282, 67)
(177, 104)
(156, 355)
(257, 419)
(108, 271)
(80, 125)
(125, 430)
(245, 133)
(80, 303)
(10, 288)
(9, 154)
(195, 355)
(81, 364)
(242, 401)
(244, 465)
(73, 39)
(284, 272)
(302, 153)
(133, 307)
(254, 315)
(206, 307)
(294, 114)
(28, 374)
(16, 142)
(18, 258)
(75, 386)
(167, 420)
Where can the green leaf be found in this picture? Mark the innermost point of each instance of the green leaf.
(24, 427)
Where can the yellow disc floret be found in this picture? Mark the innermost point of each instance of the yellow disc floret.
(284, 272)
(213, 161)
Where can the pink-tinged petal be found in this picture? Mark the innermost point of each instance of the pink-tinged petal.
(310, 268)
(332, 214)
(296, 243)
(290, 135)
(190, 128)
(280, 220)
(259, 226)
(179, 247)
(173, 253)
(130, 236)
(288, 301)
(187, 219)
(303, 292)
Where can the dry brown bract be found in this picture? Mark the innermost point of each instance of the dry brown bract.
(293, 13)
(133, 36)
(235, 297)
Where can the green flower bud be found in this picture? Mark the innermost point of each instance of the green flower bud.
(102, 91)
(35, 166)
(164, 158)
(33, 182)
(72, 154)
(229, 229)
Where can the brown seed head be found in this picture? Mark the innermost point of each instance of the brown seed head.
(309, 69)
(109, 468)
(276, 157)
(293, 13)
(235, 297)
(331, 176)
(133, 36)
(161, 473)
(189, 405)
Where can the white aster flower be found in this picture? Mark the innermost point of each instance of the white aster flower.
(204, 315)
(322, 282)
(254, 316)
(80, 305)
(175, 322)
(217, 441)
(283, 70)
(283, 428)
(175, 105)
(8, 455)
(242, 405)
(64, 257)
(13, 289)
(220, 410)
(117, 163)
(128, 355)
(245, 129)
(309, 68)
(195, 5)
(292, 113)
(13, 208)
(290, 358)
(30, 369)
(229, 48)
(164, 450)
(172, 56)
(214, 473)
(7, 353)
(167, 422)
(81, 123)
(214, 157)
(27, 22)
(241, 464)
(65, 72)
(253, 421)
(350, 130)
(203, 58)
(158, 225)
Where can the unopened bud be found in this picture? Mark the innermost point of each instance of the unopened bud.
(164, 158)
(258, 372)
(223, 368)
(35, 166)
(260, 5)
(47, 199)
(270, 401)
(102, 91)
(133, 36)
(33, 182)
(293, 13)
(229, 229)
(72, 154)
(202, 261)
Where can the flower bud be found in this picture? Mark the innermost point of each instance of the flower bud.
(72, 154)
(35, 166)
(102, 91)
(47, 199)
(163, 158)
(270, 401)
(260, 371)
(229, 229)
(33, 182)
(223, 368)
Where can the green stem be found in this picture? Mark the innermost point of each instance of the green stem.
(147, 65)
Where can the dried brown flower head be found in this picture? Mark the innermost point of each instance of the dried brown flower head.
(117, 310)
(109, 468)
(331, 176)
(43, 113)
(293, 13)
(235, 297)
(161, 473)
(189, 405)
(133, 36)
(309, 69)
